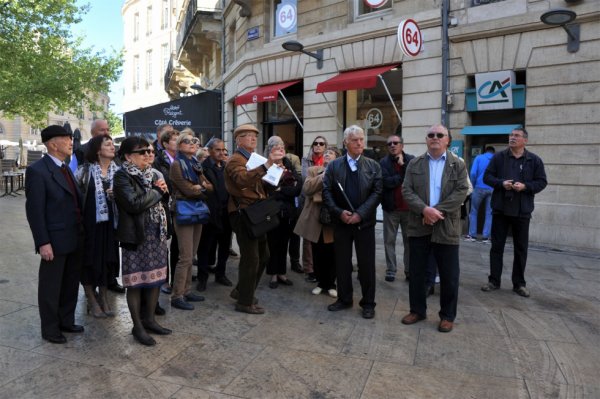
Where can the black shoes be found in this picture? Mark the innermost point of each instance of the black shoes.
(180, 303)
(389, 278)
(296, 267)
(368, 313)
(159, 310)
(223, 280)
(235, 294)
(201, 286)
(191, 297)
(155, 328)
(339, 305)
(311, 278)
(142, 337)
(115, 287)
(284, 281)
(55, 339)
(75, 328)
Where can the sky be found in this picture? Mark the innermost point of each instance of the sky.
(102, 29)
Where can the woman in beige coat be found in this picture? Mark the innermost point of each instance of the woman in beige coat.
(310, 228)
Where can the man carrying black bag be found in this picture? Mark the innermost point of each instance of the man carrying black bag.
(245, 188)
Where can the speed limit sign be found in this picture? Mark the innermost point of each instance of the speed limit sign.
(410, 38)
(286, 16)
(374, 118)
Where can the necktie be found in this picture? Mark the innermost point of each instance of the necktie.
(72, 188)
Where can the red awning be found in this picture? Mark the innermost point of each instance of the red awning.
(263, 93)
(352, 80)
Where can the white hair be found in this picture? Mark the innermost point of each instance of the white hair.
(353, 131)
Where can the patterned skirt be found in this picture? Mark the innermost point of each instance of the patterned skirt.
(147, 265)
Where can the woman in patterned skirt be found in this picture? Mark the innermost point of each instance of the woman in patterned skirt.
(142, 232)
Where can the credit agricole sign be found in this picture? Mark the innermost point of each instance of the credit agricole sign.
(494, 90)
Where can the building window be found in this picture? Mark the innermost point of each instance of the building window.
(148, 68)
(285, 17)
(136, 73)
(367, 7)
(231, 44)
(149, 21)
(136, 27)
(164, 15)
(165, 56)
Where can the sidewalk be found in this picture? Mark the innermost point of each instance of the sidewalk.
(502, 345)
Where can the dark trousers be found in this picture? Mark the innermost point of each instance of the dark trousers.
(294, 249)
(520, 230)
(324, 263)
(212, 240)
(278, 240)
(254, 255)
(364, 243)
(446, 257)
(173, 255)
(58, 288)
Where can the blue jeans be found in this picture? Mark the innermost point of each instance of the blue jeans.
(479, 195)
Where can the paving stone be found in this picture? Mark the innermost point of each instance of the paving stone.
(14, 363)
(7, 307)
(580, 364)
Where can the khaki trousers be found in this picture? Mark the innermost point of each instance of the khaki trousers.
(188, 237)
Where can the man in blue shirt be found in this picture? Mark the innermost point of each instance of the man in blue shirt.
(481, 193)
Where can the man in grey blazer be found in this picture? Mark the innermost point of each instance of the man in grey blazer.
(434, 187)
(53, 209)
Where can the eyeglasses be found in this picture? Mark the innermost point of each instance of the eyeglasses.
(391, 143)
(437, 135)
(144, 151)
(319, 143)
(190, 141)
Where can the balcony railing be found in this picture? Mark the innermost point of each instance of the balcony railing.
(169, 73)
(187, 19)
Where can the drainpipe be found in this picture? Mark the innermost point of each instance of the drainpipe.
(445, 62)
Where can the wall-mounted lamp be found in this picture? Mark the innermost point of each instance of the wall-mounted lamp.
(292, 45)
(561, 17)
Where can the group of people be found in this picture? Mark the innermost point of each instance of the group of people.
(133, 202)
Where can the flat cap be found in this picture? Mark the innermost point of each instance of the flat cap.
(54, 131)
(244, 128)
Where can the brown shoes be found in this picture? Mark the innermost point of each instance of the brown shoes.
(445, 326)
(412, 318)
(251, 309)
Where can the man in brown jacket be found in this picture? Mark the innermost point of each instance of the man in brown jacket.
(434, 187)
(245, 187)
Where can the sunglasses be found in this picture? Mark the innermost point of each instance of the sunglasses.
(391, 143)
(190, 141)
(319, 143)
(436, 135)
(145, 151)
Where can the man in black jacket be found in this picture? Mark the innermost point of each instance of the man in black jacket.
(53, 209)
(395, 208)
(352, 190)
(217, 232)
(516, 175)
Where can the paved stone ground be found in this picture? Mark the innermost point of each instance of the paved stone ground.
(502, 345)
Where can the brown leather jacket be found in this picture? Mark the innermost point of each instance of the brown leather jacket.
(244, 186)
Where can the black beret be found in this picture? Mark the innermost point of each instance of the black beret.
(54, 131)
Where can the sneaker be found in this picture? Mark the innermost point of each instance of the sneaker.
(485, 240)
(470, 239)
(522, 290)
(180, 303)
(489, 287)
(191, 297)
(317, 290)
(332, 292)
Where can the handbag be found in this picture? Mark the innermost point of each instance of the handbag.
(192, 212)
(325, 216)
(261, 217)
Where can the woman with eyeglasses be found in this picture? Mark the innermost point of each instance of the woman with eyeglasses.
(101, 258)
(310, 228)
(142, 232)
(315, 157)
(188, 183)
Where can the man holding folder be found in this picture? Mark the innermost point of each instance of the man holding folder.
(352, 189)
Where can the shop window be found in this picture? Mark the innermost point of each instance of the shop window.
(285, 17)
(372, 110)
(371, 7)
(279, 119)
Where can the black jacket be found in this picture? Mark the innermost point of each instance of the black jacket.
(370, 188)
(392, 179)
(290, 186)
(532, 174)
(132, 201)
(218, 198)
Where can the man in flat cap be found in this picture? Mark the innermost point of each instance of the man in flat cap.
(53, 210)
(245, 187)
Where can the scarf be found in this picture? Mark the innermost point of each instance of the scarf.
(101, 200)
(190, 167)
(317, 160)
(157, 211)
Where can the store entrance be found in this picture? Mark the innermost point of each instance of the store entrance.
(290, 132)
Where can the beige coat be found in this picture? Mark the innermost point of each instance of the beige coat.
(308, 225)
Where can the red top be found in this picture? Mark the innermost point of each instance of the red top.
(317, 160)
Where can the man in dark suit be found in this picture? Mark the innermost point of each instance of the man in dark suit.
(352, 189)
(53, 210)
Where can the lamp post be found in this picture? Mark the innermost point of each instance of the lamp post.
(293, 45)
(561, 17)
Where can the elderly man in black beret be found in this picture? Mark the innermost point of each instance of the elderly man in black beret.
(53, 210)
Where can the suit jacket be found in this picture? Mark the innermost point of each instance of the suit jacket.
(454, 191)
(50, 210)
(370, 188)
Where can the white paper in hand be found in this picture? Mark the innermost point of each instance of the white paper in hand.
(273, 175)
(255, 161)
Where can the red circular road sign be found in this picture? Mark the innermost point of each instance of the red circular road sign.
(410, 37)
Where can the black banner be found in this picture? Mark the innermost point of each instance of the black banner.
(200, 112)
